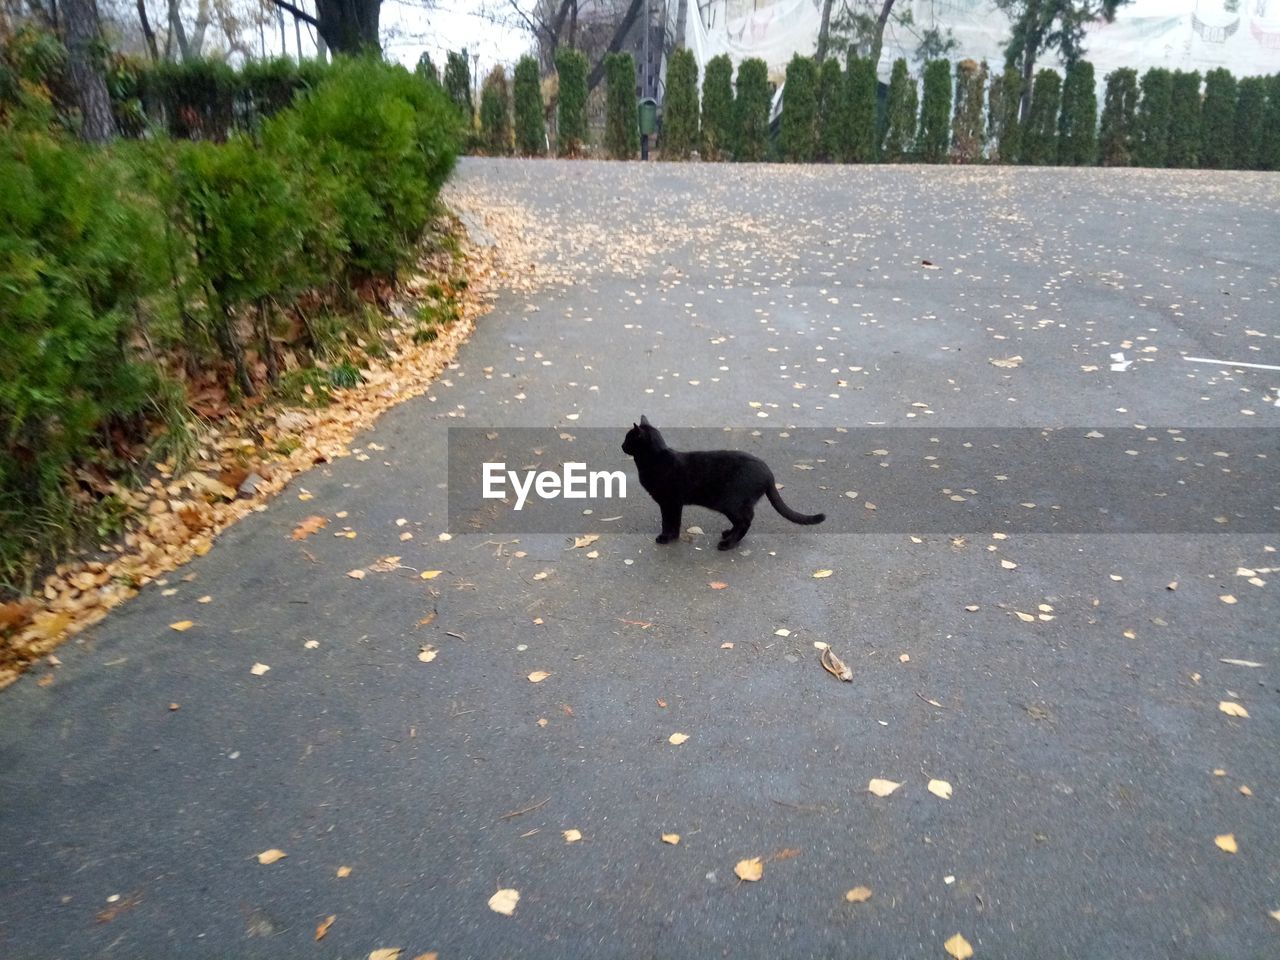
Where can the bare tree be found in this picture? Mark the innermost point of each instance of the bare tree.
(83, 37)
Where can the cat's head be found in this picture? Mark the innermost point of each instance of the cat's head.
(642, 436)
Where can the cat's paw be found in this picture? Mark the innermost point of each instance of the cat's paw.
(726, 545)
(663, 538)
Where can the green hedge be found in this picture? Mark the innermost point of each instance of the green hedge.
(622, 117)
(1184, 119)
(680, 108)
(1119, 117)
(860, 92)
(717, 108)
(751, 111)
(935, 112)
(495, 114)
(1078, 122)
(530, 127)
(900, 110)
(797, 138)
(571, 117)
(833, 116)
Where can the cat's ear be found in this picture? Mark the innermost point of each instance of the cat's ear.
(644, 421)
(634, 425)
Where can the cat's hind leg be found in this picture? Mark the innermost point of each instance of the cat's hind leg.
(670, 522)
(741, 518)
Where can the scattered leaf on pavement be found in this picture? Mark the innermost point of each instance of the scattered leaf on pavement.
(940, 788)
(324, 925)
(504, 901)
(258, 669)
(585, 541)
(309, 525)
(386, 953)
(1226, 841)
(430, 574)
(822, 574)
(268, 857)
(182, 625)
(750, 870)
(427, 653)
(834, 665)
(882, 788)
(356, 574)
(958, 947)
(858, 895)
(572, 836)
(717, 585)
(538, 676)
(1233, 709)
(677, 738)
(671, 838)
(344, 871)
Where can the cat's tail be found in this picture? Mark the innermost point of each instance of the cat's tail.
(771, 491)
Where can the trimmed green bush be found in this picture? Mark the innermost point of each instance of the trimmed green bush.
(1078, 122)
(571, 121)
(1119, 118)
(622, 118)
(900, 114)
(798, 136)
(680, 107)
(935, 112)
(531, 132)
(457, 85)
(495, 114)
(1040, 137)
(833, 116)
(1270, 148)
(1184, 119)
(966, 122)
(860, 94)
(1004, 131)
(1251, 104)
(751, 107)
(1217, 131)
(717, 108)
(1151, 140)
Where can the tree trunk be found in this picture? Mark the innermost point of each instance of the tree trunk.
(877, 40)
(178, 30)
(682, 14)
(824, 31)
(624, 27)
(349, 26)
(83, 34)
(1028, 72)
(148, 34)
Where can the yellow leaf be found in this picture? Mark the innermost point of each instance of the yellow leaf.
(427, 653)
(904, 658)
(940, 788)
(677, 738)
(356, 574)
(324, 926)
(1232, 709)
(973, 607)
(782, 632)
(822, 574)
(309, 525)
(572, 836)
(430, 574)
(1008, 565)
(268, 857)
(958, 947)
(433, 955)
(671, 838)
(882, 788)
(1245, 790)
(538, 676)
(182, 625)
(586, 541)
(717, 585)
(258, 669)
(1025, 617)
(542, 575)
(1227, 599)
(344, 871)
(1274, 914)
(750, 870)
(858, 895)
(1226, 841)
(504, 901)
(205, 599)
(386, 953)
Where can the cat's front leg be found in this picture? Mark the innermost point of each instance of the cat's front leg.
(670, 522)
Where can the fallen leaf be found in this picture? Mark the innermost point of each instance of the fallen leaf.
(504, 901)
(1245, 790)
(433, 955)
(542, 574)
(834, 665)
(311, 644)
(677, 738)
(1226, 841)
(182, 625)
(538, 676)
(344, 871)
(427, 653)
(1274, 915)
(309, 525)
(958, 947)
(1173, 585)
(430, 574)
(258, 669)
(324, 925)
(882, 788)
(1008, 565)
(1233, 709)
(386, 953)
(1227, 598)
(585, 541)
(356, 574)
(822, 574)
(858, 895)
(671, 838)
(940, 788)
(717, 585)
(1025, 617)
(904, 658)
(973, 607)
(782, 632)
(1009, 363)
(727, 645)
(445, 537)
(268, 857)
(572, 836)
(750, 870)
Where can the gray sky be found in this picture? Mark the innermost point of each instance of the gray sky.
(408, 29)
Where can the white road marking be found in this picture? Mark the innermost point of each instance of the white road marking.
(1233, 363)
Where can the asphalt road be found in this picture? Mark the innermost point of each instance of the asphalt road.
(1090, 765)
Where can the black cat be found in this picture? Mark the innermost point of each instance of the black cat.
(724, 480)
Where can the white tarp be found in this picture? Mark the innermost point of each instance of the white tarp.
(1178, 34)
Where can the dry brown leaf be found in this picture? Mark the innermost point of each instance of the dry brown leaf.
(542, 574)
(585, 541)
(717, 585)
(344, 871)
(268, 857)
(940, 788)
(427, 653)
(309, 525)
(324, 925)
(1274, 915)
(182, 625)
(1009, 363)
(430, 574)
(386, 953)
(958, 947)
(1226, 841)
(671, 838)
(858, 895)
(677, 738)
(433, 955)
(822, 574)
(572, 836)
(882, 788)
(1008, 565)
(258, 669)
(1025, 617)
(538, 676)
(750, 870)
(1233, 709)
(356, 574)
(504, 901)
(834, 665)
(1228, 599)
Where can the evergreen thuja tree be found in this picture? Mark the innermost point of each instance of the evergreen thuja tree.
(680, 107)
(900, 113)
(457, 84)
(571, 115)
(495, 113)
(1003, 129)
(1040, 137)
(1269, 150)
(1184, 119)
(935, 112)
(797, 139)
(751, 106)
(966, 122)
(1217, 130)
(833, 121)
(531, 134)
(1251, 102)
(622, 121)
(427, 70)
(717, 108)
(1151, 126)
(1078, 122)
(860, 110)
(1116, 141)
